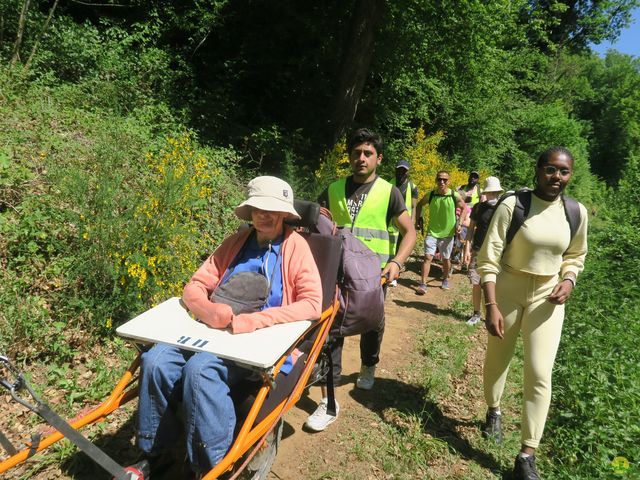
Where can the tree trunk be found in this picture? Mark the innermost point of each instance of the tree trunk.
(42, 32)
(16, 46)
(1, 30)
(356, 59)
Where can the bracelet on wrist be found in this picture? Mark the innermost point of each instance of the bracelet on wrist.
(490, 303)
(399, 264)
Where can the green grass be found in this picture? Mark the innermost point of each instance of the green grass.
(595, 414)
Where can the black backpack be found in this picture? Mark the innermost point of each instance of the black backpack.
(523, 205)
(452, 195)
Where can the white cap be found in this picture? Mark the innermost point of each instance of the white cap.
(268, 193)
(492, 184)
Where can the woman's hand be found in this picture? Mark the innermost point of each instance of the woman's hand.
(219, 315)
(494, 322)
(561, 292)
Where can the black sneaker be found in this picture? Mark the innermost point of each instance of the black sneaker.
(525, 468)
(492, 427)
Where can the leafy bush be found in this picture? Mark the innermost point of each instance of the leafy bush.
(144, 236)
(596, 405)
(100, 215)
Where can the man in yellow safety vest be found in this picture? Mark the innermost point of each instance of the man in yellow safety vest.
(409, 192)
(368, 206)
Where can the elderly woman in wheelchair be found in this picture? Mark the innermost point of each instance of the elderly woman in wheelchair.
(260, 276)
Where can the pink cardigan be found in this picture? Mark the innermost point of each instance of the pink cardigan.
(302, 289)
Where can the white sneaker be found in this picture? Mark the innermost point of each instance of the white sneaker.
(320, 419)
(475, 318)
(366, 378)
(393, 283)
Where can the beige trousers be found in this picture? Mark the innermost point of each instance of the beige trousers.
(522, 300)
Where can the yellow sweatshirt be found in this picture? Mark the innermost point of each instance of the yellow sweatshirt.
(541, 245)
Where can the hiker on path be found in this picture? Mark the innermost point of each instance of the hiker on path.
(477, 230)
(277, 260)
(458, 245)
(409, 192)
(367, 205)
(526, 283)
(443, 226)
(471, 191)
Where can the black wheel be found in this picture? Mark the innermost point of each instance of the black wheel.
(260, 465)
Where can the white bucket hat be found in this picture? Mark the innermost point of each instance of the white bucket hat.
(268, 193)
(492, 184)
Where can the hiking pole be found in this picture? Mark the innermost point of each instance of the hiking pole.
(57, 422)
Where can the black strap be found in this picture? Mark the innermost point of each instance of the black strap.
(523, 206)
(7, 445)
(434, 194)
(82, 443)
(53, 419)
(331, 394)
(34, 445)
(520, 212)
(572, 212)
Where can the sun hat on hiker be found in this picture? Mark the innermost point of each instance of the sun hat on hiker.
(268, 193)
(492, 184)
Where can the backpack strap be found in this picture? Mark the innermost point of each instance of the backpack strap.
(452, 194)
(523, 205)
(520, 212)
(572, 212)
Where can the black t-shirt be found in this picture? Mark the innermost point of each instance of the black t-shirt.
(481, 214)
(356, 194)
(403, 190)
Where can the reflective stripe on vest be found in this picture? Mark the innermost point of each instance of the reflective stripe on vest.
(370, 225)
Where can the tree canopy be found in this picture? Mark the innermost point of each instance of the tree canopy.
(286, 79)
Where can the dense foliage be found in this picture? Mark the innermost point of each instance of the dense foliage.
(501, 79)
(596, 415)
(101, 215)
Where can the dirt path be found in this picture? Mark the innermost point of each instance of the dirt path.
(331, 454)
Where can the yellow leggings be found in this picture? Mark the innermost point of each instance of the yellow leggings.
(522, 301)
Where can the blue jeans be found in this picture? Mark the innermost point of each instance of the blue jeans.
(202, 381)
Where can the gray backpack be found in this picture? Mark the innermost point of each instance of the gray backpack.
(360, 292)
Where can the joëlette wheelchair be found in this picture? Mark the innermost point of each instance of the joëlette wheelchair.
(260, 405)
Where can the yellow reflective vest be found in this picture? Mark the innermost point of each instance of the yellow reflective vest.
(407, 195)
(370, 225)
(393, 230)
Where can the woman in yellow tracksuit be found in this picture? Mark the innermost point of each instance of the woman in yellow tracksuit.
(526, 284)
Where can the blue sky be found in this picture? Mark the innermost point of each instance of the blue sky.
(629, 40)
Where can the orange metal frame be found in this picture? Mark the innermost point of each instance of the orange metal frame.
(248, 434)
